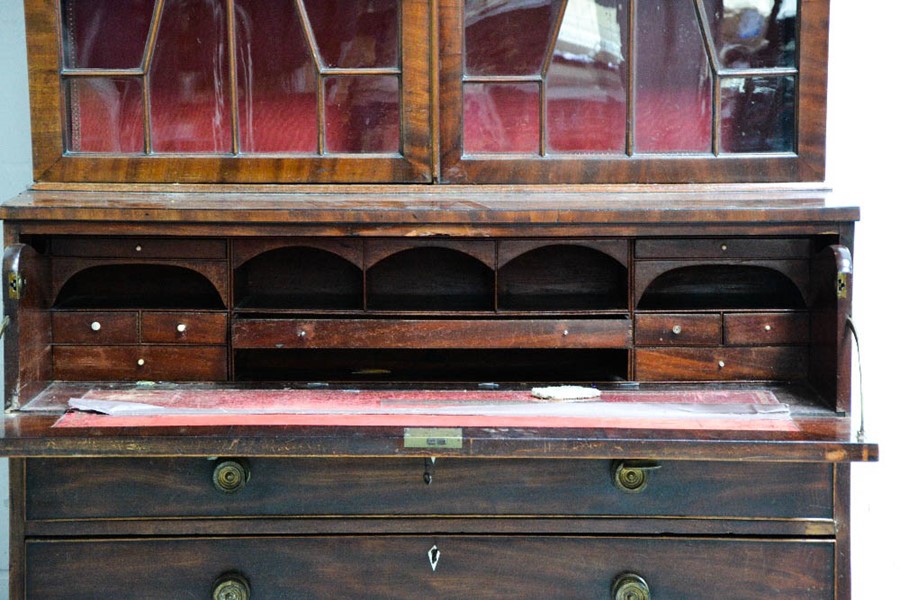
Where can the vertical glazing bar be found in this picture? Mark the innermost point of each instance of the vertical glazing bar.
(320, 79)
(542, 122)
(631, 90)
(713, 58)
(149, 51)
(548, 57)
(232, 76)
(435, 93)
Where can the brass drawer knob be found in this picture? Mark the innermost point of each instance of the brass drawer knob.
(231, 586)
(630, 586)
(230, 476)
(632, 476)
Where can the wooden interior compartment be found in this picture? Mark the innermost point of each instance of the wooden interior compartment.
(766, 328)
(94, 327)
(156, 285)
(676, 285)
(431, 565)
(430, 279)
(516, 365)
(684, 329)
(564, 276)
(128, 488)
(761, 248)
(298, 277)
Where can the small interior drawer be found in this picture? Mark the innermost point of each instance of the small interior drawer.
(115, 488)
(764, 329)
(433, 566)
(761, 248)
(678, 330)
(138, 247)
(138, 363)
(785, 363)
(94, 327)
(184, 327)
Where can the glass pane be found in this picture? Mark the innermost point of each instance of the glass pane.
(362, 114)
(754, 33)
(355, 33)
(587, 79)
(105, 34)
(276, 79)
(501, 117)
(758, 114)
(674, 91)
(189, 103)
(508, 37)
(105, 115)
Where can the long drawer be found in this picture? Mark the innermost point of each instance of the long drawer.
(431, 567)
(134, 363)
(133, 488)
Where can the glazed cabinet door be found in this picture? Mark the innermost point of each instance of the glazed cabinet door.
(230, 90)
(625, 91)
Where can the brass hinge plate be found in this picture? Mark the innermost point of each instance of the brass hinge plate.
(14, 285)
(433, 437)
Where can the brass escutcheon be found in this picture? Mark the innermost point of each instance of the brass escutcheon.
(632, 475)
(231, 586)
(230, 475)
(630, 586)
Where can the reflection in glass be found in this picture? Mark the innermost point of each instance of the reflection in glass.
(362, 113)
(758, 114)
(190, 108)
(276, 79)
(508, 37)
(674, 92)
(105, 115)
(587, 79)
(105, 34)
(355, 33)
(501, 117)
(754, 33)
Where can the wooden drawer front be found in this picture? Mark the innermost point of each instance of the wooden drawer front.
(678, 330)
(766, 329)
(122, 247)
(131, 488)
(430, 567)
(95, 327)
(135, 363)
(723, 248)
(722, 364)
(367, 333)
(184, 328)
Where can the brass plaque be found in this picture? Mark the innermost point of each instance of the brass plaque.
(432, 437)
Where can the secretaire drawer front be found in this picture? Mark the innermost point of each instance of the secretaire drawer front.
(184, 327)
(764, 329)
(723, 248)
(678, 330)
(90, 327)
(137, 247)
(431, 567)
(786, 363)
(132, 488)
(139, 363)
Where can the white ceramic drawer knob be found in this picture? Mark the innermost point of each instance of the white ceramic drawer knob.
(724, 247)
(140, 362)
(181, 328)
(721, 364)
(138, 248)
(768, 328)
(95, 326)
(676, 329)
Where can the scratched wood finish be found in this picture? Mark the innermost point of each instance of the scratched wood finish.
(162, 487)
(401, 567)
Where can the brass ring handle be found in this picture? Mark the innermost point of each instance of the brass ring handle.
(231, 586)
(630, 586)
(230, 475)
(632, 476)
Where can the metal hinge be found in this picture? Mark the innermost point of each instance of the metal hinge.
(15, 285)
(841, 285)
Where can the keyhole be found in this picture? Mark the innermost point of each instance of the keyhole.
(434, 555)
